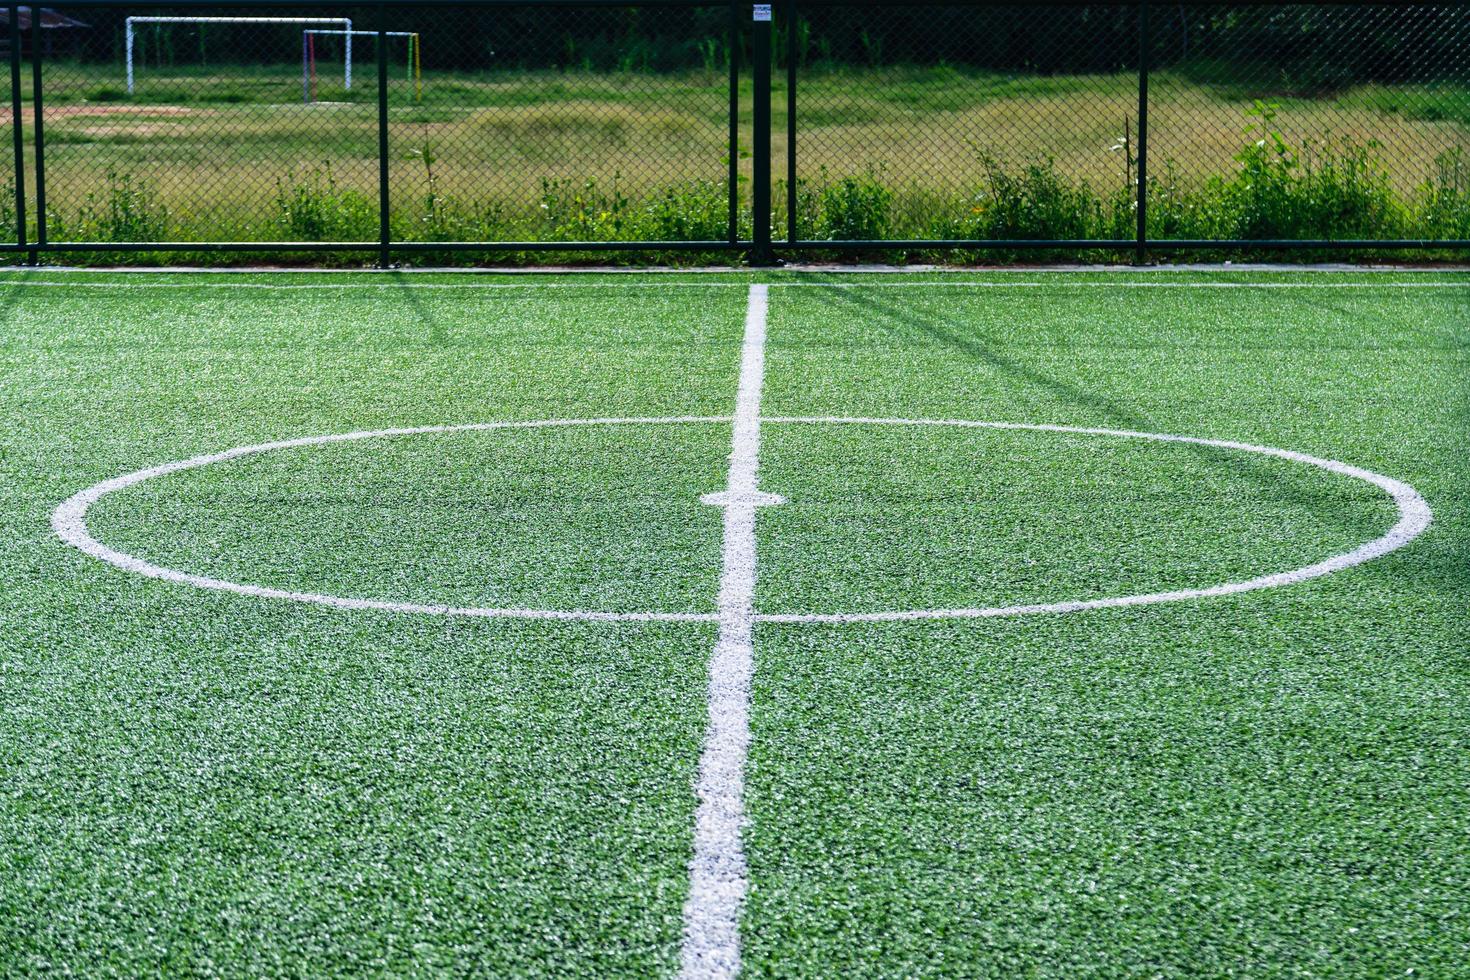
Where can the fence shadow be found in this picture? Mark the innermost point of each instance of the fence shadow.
(948, 331)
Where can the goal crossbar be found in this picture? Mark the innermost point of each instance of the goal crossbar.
(344, 23)
(308, 57)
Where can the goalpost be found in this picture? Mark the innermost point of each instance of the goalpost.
(415, 72)
(344, 23)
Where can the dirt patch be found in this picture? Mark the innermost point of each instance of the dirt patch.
(28, 113)
(138, 129)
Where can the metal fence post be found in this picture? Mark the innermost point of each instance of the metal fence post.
(733, 168)
(792, 56)
(760, 246)
(1140, 255)
(385, 232)
(40, 125)
(17, 132)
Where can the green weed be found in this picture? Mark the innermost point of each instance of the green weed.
(854, 208)
(128, 210)
(1034, 202)
(311, 208)
(696, 211)
(7, 209)
(584, 212)
(1443, 207)
(808, 209)
(1326, 190)
(1177, 210)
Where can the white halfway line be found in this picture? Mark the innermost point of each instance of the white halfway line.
(717, 875)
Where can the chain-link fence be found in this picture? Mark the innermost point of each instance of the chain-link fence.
(913, 122)
(167, 123)
(11, 196)
(1309, 122)
(588, 124)
(701, 125)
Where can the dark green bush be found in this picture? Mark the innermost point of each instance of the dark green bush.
(855, 208)
(1031, 203)
(312, 208)
(695, 211)
(127, 211)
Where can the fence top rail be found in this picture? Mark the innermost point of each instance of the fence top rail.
(398, 5)
(1235, 4)
(319, 30)
(240, 20)
(363, 5)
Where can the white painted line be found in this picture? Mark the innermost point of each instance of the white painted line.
(831, 268)
(70, 523)
(727, 498)
(917, 284)
(1414, 518)
(517, 271)
(1125, 284)
(717, 870)
(1061, 268)
(374, 286)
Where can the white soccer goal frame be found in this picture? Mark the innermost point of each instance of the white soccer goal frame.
(414, 50)
(344, 23)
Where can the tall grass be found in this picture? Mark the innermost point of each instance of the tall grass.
(1443, 206)
(1331, 188)
(310, 207)
(126, 209)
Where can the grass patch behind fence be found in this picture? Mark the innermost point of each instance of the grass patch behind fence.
(898, 152)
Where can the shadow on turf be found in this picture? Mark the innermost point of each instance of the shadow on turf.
(1453, 572)
(10, 297)
(954, 334)
(410, 296)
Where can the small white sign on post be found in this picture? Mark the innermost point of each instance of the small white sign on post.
(762, 13)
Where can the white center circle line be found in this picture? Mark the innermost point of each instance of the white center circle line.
(1414, 517)
(69, 521)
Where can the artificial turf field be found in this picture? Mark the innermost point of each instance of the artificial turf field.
(202, 781)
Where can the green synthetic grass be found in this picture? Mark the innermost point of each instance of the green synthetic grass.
(461, 518)
(1269, 784)
(196, 783)
(946, 518)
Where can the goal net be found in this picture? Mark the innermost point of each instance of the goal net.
(194, 44)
